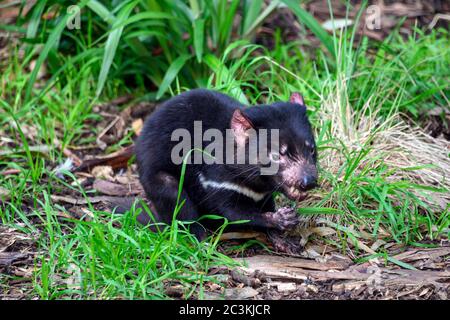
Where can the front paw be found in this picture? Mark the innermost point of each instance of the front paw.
(283, 219)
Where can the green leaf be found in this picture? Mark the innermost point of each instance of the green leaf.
(144, 16)
(171, 73)
(423, 96)
(101, 11)
(11, 28)
(51, 41)
(401, 263)
(223, 75)
(312, 211)
(255, 21)
(111, 46)
(253, 8)
(195, 7)
(226, 23)
(144, 33)
(36, 17)
(312, 24)
(199, 38)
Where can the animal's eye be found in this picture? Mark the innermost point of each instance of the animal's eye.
(313, 151)
(275, 157)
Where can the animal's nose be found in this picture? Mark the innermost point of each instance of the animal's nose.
(308, 182)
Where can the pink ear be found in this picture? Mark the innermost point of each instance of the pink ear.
(297, 98)
(240, 124)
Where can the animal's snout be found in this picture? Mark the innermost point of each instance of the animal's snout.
(308, 182)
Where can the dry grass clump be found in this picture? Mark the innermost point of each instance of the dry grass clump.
(380, 176)
(428, 156)
(362, 136)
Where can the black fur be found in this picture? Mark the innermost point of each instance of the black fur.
(160, 177)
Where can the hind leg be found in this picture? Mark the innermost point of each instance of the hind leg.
(162, 191)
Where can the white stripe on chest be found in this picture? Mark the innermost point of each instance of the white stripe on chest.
(256, 196)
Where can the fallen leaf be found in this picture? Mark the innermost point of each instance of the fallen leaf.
(5, 194)
(106, 172)
(240, 293)
(137, 126)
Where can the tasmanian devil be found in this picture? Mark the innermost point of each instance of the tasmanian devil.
(216, 183)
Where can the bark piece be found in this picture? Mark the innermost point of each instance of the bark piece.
(240, 293)
(419, 254)
(118, 159)
(7, 258)
(291, 269)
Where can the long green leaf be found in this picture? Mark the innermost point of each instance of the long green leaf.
(144, 16)
(199, 36)
(257, 20)
(401, 263)
(171, 73)
(51, 41)
(312, 24)
(222, 74)
(226, 25)
(36, 18)
(252, 11)
(424, 95)
(111, 46)
(101, 11)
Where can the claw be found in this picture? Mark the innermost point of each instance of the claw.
(285, 218)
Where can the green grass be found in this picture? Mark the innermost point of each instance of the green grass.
(355, 97)
(120, 40)
(104, 255)
(101, 259)
(416, 67)
(352, 106)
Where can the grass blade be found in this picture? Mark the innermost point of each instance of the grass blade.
(199, 38)
(313, 211)
(33, 24)
(171, 73)
(101, 11)
(111, 46)
(312, 24)
(252, 10)
(52, 40)
(224, 75)
(259, 19)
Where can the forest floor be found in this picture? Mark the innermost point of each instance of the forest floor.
(320, 271)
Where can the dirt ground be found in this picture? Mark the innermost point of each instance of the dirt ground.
(318, 271)
(265, 275)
